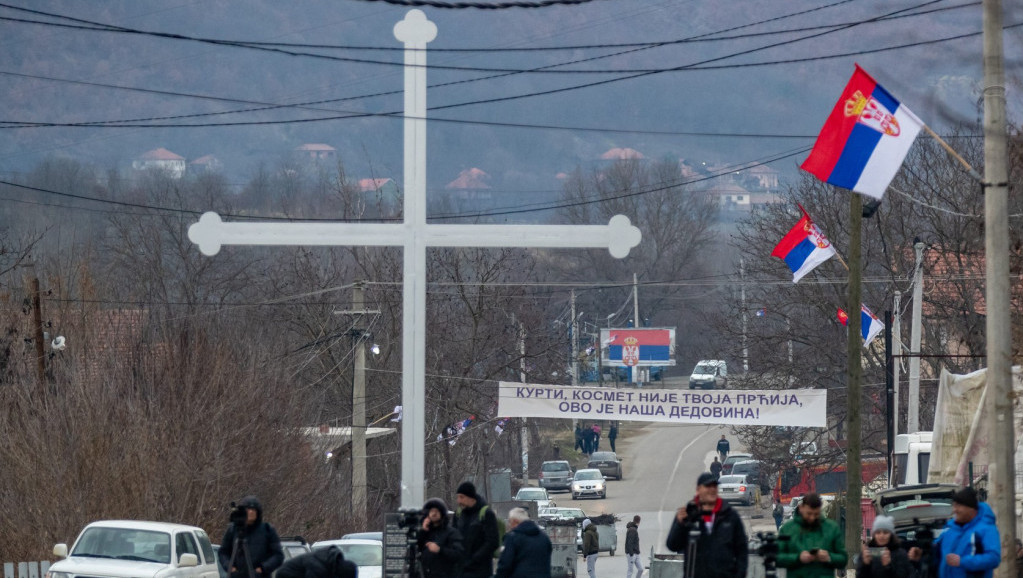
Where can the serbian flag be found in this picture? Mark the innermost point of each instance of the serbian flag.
(803, 248)
(870, 325)
(865, 140)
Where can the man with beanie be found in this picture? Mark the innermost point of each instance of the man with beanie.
(815, 546)
(722, 548)
(591, 547)
(632, 548)
(478, 526)
(883, 556)
(970, 546)
(320, 563)
(527, 550)
(440, 546)
(256, 538)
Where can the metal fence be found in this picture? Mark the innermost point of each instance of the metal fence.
(26, 569)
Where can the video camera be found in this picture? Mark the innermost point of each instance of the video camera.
(411, 521)
(768, 550)
(239, 515)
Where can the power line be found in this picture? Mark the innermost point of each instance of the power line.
(482, 5)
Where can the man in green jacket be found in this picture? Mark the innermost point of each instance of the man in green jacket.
(815, 546)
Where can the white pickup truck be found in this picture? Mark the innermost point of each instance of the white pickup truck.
(134, 549)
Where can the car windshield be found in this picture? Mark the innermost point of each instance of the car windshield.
(732, 480)
(556, 467)
(362, 554)
(733, 459)
(743, 467)
(570, 513)
(602, 457)
(588, 475)
(705, 369)
(531, 494)
(125, 544)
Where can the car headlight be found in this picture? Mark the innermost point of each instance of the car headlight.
(600, 486)
(52, 574)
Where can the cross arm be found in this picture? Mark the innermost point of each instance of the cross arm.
(619, 236)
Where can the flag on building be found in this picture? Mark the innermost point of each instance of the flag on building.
(803, 248)
(864, 140)
(870, 325)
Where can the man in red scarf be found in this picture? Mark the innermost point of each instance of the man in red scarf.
(722, 549)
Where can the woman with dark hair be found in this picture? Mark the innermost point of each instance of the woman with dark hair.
(883, 556)
(440, 545)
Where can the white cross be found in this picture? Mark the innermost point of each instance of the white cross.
(414, 235)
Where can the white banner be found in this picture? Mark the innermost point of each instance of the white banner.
(788, 407)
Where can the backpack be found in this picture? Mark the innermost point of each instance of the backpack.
(500, 530)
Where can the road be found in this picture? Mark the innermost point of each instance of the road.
(660, 464)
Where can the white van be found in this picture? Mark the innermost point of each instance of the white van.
(912, 458)
(709, 374)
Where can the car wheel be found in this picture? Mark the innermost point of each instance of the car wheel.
(612, 552)
(574, 497)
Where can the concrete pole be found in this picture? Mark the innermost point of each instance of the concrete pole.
(635, 308)
(853, 520)
(896, 359)
(575, 350)
(1001, 470)
(742, 293)
(913, 403)
(524, 432)
(359, 406)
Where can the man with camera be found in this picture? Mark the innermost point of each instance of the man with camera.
(811, 546)
(251, 547)
(478, 525)
(970, 546)
(440, 546)
(320, 563)
(721, 544)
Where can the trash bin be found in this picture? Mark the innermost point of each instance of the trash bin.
(666, 565)
(607, 538)
(564, 555)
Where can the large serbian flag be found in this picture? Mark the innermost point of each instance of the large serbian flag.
(870, 325)
(803, 247)
(865, 140)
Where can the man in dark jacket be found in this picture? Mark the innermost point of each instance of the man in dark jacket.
(612, 435)
(478, 526)
(591, 547)
(722, 549)
(527, 550)
(632, 557)
(320, 563)
(723, 448)
(257, 541)
(579, 443)
(440, 546)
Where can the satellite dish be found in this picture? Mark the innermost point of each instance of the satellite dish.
(59, 343)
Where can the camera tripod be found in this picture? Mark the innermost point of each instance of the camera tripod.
(240, 544)
(694, 537)
(413, 564)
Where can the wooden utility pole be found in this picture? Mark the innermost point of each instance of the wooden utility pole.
(853, 519)
(1001, 470)
(32, 288)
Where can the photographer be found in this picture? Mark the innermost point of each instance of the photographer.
(722, 549)
(440, 546)
(970, 546)
(320, 563)
(249, 542)
(815, 546)
(883, 556)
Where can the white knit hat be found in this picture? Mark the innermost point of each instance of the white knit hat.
(883, 523)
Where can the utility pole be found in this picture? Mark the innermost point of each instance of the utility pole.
(742, 293)
(635, 324)
(913, 404)
(524, 434)
(896, 359)
(32, 286)
(853, 520)
(889, 397)
(575, 350)
(1001, 470)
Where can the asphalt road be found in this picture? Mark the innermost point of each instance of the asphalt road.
(660, 464)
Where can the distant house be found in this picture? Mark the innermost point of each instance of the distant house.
(205, 164)
(764, 177)
(731, 195)
(620, 154)
(161, 159)
(380, 186)
(471, 184)
(317, 152)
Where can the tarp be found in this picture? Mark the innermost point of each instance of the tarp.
(963, 425)
(806, 407)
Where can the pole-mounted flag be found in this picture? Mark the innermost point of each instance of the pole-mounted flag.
(870, 325)
(803, 247)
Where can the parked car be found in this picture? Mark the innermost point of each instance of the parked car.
(588, 483)
(367, 553)
(726, 466)
(916, 507)
(538, 495)
(555, 475)
(567, 514)
(751, 469)
(709, 374)
(116, 548)
(378, 536)
(294, 546)
(608, 464)
(738, 488)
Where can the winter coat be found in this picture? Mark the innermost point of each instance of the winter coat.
(631, 538)
(826, 535)
(445, 563)
(715, 468)
(479, 538)
(721, 552)
(899, 567)
(591, 540)
(723, 446)
(320, 563)
(527, 553)
(261, 542)
(977, 542)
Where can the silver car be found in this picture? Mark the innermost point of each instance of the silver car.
(739, 489)
(588, 483)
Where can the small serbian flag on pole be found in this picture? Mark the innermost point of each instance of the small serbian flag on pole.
(870, 325)
(803, 248)
(865, 140)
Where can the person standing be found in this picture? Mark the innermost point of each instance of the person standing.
(612, 435)
(579, 444)
(778, 512)
(591, 547)
(815, 546)
(440, 546)
(715, 467)
(891, 560)
(723, 448)
(970, 546)
(722, 548)
(320, 563)
(256, 538)
(632, 548)
(478, 526)
(596, 437)
(527, 549)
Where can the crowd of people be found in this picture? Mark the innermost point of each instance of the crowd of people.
(587, 439)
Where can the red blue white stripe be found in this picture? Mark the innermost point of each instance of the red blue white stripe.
(803, 248)
(864, 140)
(870, 325)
